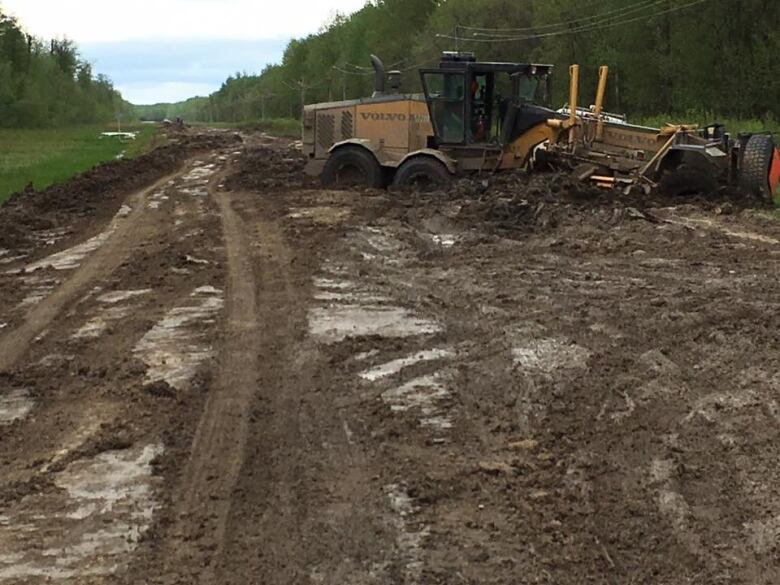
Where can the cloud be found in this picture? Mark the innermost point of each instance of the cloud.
(142, 93)
(167, 50)
(178, 70)
(107, 21)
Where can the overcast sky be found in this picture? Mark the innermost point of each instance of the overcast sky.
(169, 50)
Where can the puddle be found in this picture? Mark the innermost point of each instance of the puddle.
(395, 366)
(410, 534)
(156, 200)
(199, 173)
(322, 215)
(351, 297)
(366, 355)
(95, 327)
(194, 260)
(200, 192)
(329, 283)
(425, 394)
(40, 289)
(691, 222)
(12, 259)
(89, 527)
(339, 322)
(175, 347)
(381, 241)
(444, 240)
(72, 257)
(122, 295)
(14, 405)
(549, 355)
(51, 237)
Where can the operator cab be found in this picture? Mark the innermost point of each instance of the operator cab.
(474, 103)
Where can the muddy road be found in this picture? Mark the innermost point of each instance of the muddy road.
(213, 372)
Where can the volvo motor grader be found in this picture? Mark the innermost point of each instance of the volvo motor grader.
(484, 117)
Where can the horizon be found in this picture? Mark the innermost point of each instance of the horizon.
(151, 61)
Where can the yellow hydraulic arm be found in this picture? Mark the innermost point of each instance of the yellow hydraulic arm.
(603, 75)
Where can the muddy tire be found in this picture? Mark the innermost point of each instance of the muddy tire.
(756, 164)
(690, 178)
(422, 173)
(352, 166)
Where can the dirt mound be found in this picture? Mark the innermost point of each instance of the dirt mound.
(513, 200)
(264, 167)
(505, 201)
(96, 192)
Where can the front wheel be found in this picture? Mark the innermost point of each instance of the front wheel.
(352, 166)
(757, 159)
(424, 173)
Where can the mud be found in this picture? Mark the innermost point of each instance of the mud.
(248, 379)
(30, 218)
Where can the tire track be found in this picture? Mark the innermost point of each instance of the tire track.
(124, 233)
(205, 490)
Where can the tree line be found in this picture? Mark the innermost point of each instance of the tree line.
(46, 84)
(667, 57)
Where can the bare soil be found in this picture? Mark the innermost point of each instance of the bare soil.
(213, 371)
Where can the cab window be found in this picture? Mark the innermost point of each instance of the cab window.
(446, 94)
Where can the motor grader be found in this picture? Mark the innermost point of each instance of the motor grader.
(482, 117)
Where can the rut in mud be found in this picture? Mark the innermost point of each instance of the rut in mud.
(233, 376)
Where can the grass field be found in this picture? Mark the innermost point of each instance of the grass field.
(733, 125)
(45, 157)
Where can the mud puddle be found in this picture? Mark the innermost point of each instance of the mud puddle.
(88, 525)
(15, 405)
(112, 308)
(339, 321)
(175, 347)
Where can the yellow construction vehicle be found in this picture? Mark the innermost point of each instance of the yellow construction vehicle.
(484, 117)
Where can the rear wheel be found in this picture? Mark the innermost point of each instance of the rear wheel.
(423, 173)
(756, 165)
(352, 166)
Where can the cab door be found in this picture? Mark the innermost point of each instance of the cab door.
(445, 92)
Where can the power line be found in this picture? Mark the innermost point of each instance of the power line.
(431, 44)
(638, 6)
(357, 73)
(584, 28)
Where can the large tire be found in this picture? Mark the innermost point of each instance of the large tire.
(423, 173)
(756, 164)
(691, 177)
(352, 166)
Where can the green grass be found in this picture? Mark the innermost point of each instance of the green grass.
(281, 127)
(46, 157)
(733, 125)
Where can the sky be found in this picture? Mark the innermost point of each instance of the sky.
(170, 50)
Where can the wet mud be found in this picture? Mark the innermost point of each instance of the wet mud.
(234, 376)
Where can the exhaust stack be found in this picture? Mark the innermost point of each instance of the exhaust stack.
(379, 76)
